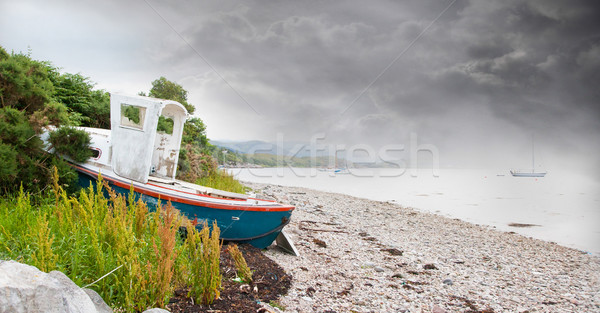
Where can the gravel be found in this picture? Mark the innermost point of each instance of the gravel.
(360, 255)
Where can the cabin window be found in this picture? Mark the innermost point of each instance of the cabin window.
(95, 153)
(132, 116)
(165, 125)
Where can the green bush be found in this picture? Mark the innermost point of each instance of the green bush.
(25, 84)
(71, 142)
(87, 107)
(165, 125)
(26, 106)
(21, 153)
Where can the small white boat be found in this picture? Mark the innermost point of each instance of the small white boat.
(532, 172)
(527, 173)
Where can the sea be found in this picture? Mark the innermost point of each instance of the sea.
(562, 207)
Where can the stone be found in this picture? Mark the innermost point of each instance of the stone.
(156, 310)
(101, 306)
(379, 269)
(430, 267)
(448, 282)
(393, 251)
(24, 288)
(437, 309)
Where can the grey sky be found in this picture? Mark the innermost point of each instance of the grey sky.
(477, 84)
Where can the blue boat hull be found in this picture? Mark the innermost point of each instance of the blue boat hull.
(256, 227)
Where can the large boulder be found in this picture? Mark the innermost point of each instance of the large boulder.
(24, 288)
(101, 306)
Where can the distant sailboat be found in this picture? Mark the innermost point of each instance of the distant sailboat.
(336, 169)
(532, 172)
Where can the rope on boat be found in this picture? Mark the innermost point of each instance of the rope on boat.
(99, 279)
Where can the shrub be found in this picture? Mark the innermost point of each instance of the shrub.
(221, 180)
(21, 153)
(71, 142)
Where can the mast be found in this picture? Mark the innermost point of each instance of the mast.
(532, 154)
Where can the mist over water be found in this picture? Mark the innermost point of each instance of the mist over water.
(564, 206)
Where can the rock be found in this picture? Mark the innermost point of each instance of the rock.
(267, 308)
(437, 309)
(24, 288)
(101, 306)
(379, 269)
(245, 288)
(448, 282)
(430, 267)
(156, 310)
(320, 243)
(393, 251)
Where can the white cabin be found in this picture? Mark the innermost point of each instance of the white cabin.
(138, 148)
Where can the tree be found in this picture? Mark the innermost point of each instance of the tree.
(195, 160)
(24, 83)
(163, 88)
(194, 132)
(88, 107)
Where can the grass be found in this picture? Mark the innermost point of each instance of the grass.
(90, 235)
(222, 180)
(205, 251)
(243, 271)
(276, 304)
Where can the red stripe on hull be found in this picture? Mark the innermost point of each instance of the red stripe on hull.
(167, 197)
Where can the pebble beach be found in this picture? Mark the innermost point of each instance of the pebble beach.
(359, 255)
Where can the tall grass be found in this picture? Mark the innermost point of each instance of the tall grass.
(205, 249)
(243, 271)
(221, 180)
(91, 235)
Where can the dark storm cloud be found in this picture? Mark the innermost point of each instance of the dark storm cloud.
(500, 49)
(519, 66)
(483, 76)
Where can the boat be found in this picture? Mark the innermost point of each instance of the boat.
(532, 172)
(134, 155)
(336, 169)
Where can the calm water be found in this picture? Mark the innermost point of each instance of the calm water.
(565, 206)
